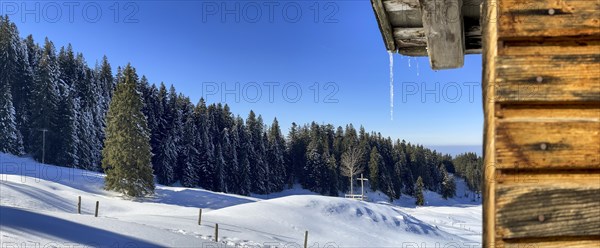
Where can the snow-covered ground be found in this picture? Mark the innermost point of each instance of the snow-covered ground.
(38, 208)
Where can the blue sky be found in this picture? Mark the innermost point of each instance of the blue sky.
(334, 56)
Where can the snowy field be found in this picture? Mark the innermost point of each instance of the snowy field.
(38, 208)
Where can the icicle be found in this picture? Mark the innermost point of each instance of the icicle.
(417, 66)
(391, 85)
(408, 62)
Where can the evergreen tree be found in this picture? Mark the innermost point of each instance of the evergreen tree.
(231, 167)
(296, 153)
(219, 181)
(374, 164)
(419, 192)
(256, 154)
(448, 186)
(275, 157)
(126, 154)
(191, 162)
(44, 106)
(242, 175)
(15, 87)
(10, 141)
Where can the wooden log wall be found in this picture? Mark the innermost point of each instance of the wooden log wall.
(541, 85)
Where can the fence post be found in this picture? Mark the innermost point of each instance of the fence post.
(97, 205)
(199, 216)
(79, 205)
(216, 232)
(306, 239)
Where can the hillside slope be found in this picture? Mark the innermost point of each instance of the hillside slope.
(38, 204)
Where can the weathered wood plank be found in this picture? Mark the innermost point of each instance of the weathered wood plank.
(443, 24)
(410, 37)
(557, 78)
(400, 5)
(546, 18)
(549, 111)
(554, 242)
(384, 25)
(470, 8)
(527, 177)
(409, 33)
(542, 210)
(413, 51)
(552, 143)
(550, 47)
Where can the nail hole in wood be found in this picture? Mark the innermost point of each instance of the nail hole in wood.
(539, 79)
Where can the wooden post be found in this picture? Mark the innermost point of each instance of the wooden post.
(199, 216)
(79, 205)
(216, 232)
(97, 206)
(306, 239)
(362, 187)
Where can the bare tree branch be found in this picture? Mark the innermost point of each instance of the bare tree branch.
(351, 165)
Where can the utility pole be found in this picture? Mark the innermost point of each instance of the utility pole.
(362, 186)
(44, 144)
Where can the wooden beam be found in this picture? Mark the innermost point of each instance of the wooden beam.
(401, 5)
(443, 23)
(555, 78)
(541, 210)
(553, 143)
(410, 37)
(523, 19)
(413, 51)
(384, 25)
(489, 53)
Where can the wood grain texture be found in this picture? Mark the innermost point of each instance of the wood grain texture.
(552, 111)
(520, 19)
(542, 210)
(550, 47)
(489, 53)
(554, 242)
(384, 25)
(527, 177)
(557, 78)
(548, 143)
(443, 24)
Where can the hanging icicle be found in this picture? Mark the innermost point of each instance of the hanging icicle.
(391, 54)
(417, 66)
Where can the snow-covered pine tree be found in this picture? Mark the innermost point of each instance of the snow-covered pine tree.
(176, 130)
(126, 153)
(448, 186)
(191, 163)
(68, 110)
(375, 161)
(44, 105)
(10, 141)
(219, 180)
(231, 166)
(276, 157)
(242, 175)
(256, 154)
(296, 155)
(10, 135)
(420, 199)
